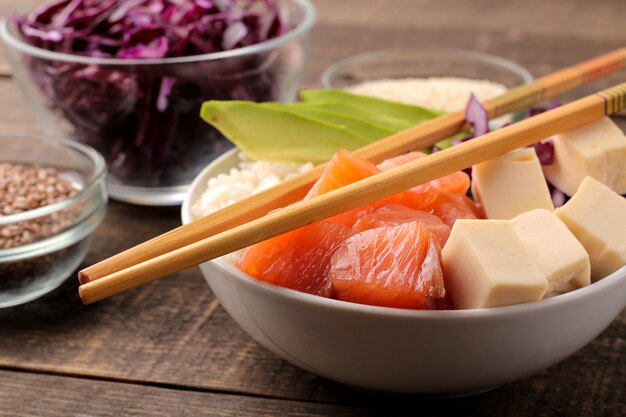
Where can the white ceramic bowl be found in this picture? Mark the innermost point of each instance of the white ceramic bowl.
(406, 351)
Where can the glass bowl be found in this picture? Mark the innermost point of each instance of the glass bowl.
(424, 62)
(143, 115)
(61, 230)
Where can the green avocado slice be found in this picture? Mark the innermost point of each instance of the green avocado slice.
(270, 134)
(414, 114)
(358, 125)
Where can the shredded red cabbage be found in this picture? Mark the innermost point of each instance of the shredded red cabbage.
(477, 116)
(144, 118)
(545, 151)
(150, 28)
(558, 197)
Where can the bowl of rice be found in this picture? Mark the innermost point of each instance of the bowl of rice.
(432, 77)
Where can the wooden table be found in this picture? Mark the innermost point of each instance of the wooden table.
(169, 349)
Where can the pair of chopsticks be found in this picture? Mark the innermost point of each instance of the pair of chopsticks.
(247, 222)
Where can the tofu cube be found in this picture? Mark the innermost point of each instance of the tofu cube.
(556, 251)
(596, 215)
(511, 184)
(597, 150)
(485, 264)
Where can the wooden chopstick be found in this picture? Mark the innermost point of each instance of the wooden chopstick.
(491, 145)
(5, 71)
(415, 138)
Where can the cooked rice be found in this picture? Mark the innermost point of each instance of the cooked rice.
(447, 94)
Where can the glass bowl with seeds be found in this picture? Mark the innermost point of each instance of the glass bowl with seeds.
(52, 198)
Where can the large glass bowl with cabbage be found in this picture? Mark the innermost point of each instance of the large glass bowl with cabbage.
(128, 77)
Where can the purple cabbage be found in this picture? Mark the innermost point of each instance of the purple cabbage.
(477, 116)
(558, 197)
(545, 151)
(144, 29)
(145, 118)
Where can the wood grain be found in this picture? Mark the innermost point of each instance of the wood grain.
(26, 394)
(183, 342)
(180, 336)
(555, 19)
(189, 341)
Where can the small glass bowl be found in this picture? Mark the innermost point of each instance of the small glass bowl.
(61, 230)
(423, 62)
(142, 115)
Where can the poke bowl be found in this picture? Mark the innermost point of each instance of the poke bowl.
(440, 353)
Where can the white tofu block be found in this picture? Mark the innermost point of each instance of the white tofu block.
(597, 150)
(597, 217)
(486, 265)
(556, 251)
(511, 184)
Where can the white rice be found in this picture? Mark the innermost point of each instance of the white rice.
(447, 94)
(249, 178)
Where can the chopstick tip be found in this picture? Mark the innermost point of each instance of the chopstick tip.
(84, 295)
(83, 278)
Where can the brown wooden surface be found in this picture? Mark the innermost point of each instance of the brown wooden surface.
(169, 348)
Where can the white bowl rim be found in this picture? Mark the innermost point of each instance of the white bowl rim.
(523, 73)
(310, 16)
(472, 314)
(363, 309)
